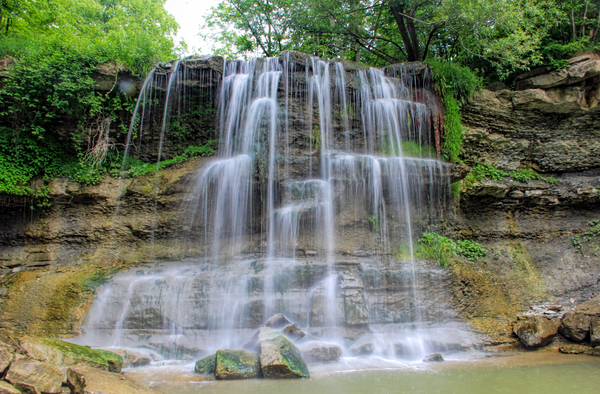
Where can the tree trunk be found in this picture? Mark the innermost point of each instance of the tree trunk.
(411, 54)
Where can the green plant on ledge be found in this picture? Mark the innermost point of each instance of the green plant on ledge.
(433, 246)
(486, 171)
(375, 222)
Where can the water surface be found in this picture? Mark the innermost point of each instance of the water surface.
(542, 372)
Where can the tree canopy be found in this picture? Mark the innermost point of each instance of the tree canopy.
(134, 32)
(500, 36)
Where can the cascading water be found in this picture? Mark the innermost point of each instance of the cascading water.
(324, 175)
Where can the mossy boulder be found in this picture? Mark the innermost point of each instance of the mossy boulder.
(206, 365)
(65, 354)
(236, 364)
(280, 359)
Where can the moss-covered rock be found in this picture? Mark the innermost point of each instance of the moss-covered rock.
(236, 364)
(206, 365)
(280, 359)
(65, 354)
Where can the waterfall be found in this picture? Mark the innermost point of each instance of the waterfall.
(323, 172)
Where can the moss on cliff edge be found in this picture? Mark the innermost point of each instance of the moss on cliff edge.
(51, 303)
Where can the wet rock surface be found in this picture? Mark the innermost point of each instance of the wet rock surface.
(7, 355)
(236, 364)
(6, 388)
(65, 354)
(316, 352)
(434, 358)
(280, 359)
(43, 377)
(87, 380)
(535, 331)
(206, 365)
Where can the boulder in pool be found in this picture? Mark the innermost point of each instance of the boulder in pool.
(236, 364)
(434, 358)
(535, 331)
(316, 352)
(280, 359)
(575, 326)
(206, 365)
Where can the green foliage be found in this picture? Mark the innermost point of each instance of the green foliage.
(455, 189)
(436, 247)
(48, 100)
(133, 32)
(433, 246)
(403, 253)
(524, 175)
(375, 222)
(587, 237)
(414, 149)
(134, 168)
(316, 138)
(487, 171)
(455, 85)
(471, 250)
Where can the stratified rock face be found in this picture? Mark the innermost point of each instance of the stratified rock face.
(86, 380)
(206, 365)
(280, 359)
(315, 352)
(553, 131)
(535, 331)
(44, 377)
(7, 355)
(581, 68)
(236, 364)
(6, 388)
(65, 354)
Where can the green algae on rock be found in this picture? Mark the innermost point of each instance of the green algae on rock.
(280, 359)
(236, 364)
(65, 354)
(206, 365)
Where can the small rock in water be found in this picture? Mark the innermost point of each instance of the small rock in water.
(362, 349)
(433, 358)
(314, 352)
(294, 332)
